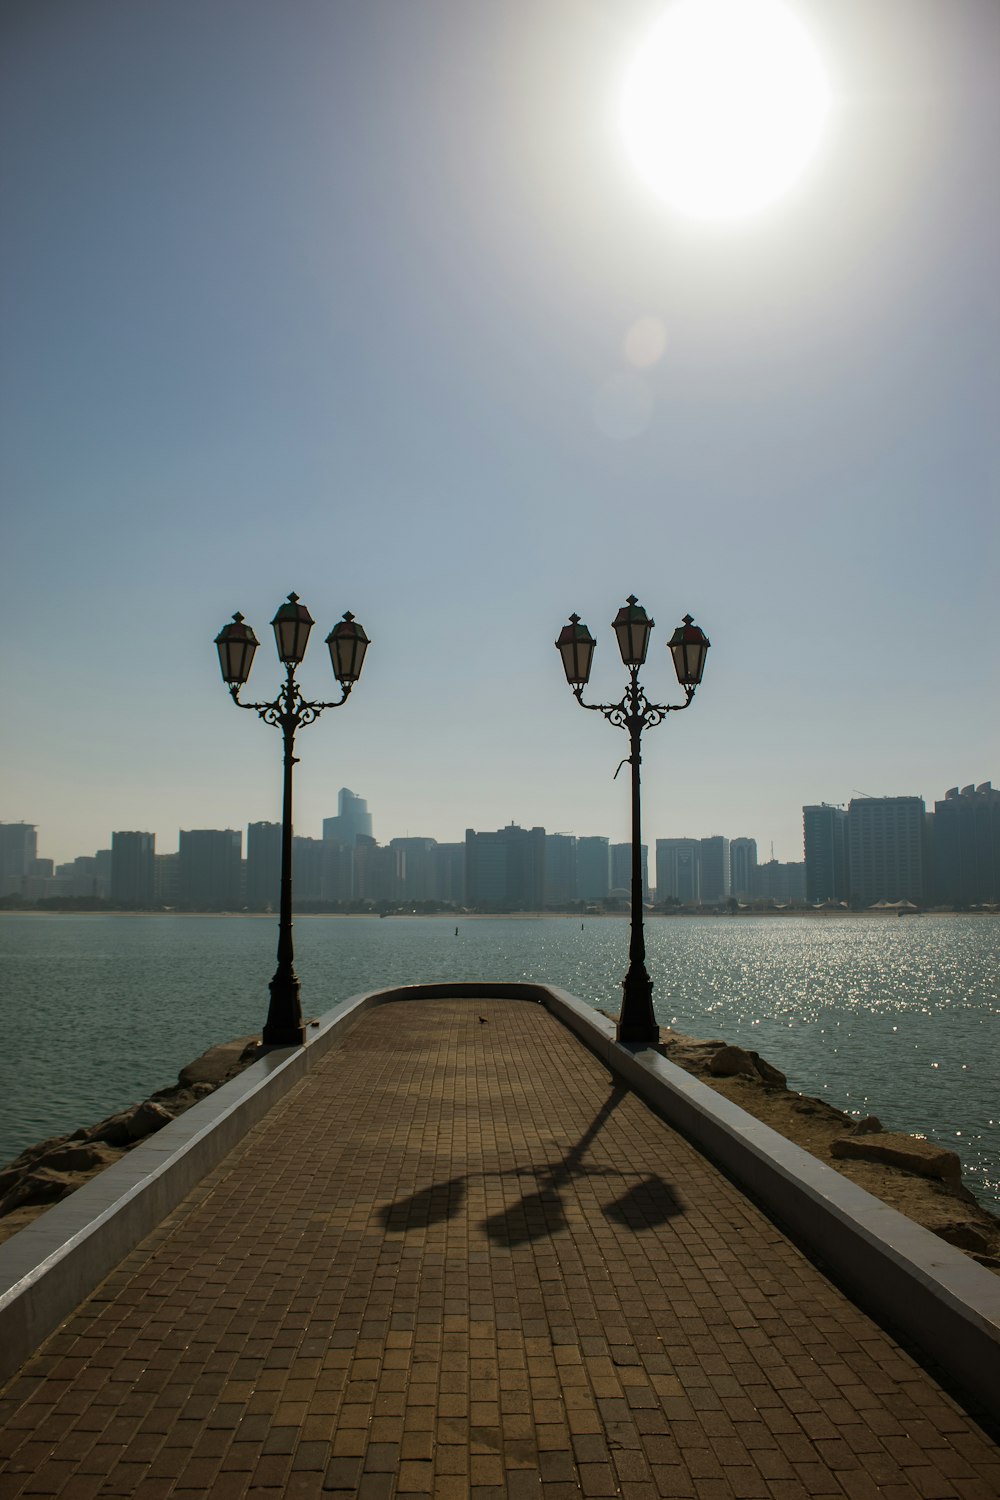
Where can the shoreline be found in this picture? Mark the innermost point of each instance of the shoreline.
(821, 914)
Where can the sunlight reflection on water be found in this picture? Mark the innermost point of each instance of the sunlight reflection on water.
(877, 1015)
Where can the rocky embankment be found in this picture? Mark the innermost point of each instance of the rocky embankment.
(911, 1174)
(919, 1179)
(55, 1168)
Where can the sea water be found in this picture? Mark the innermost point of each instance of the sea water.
(877, 1015)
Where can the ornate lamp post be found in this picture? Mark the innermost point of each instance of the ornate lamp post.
(289, 712)
(689, 647)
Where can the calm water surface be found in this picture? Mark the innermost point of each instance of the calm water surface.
(877, 1015)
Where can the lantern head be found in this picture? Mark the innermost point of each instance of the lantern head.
(689, 647)
(348, 643)
(576, 647)
(292, 625)
(236, 643)
(632, 627)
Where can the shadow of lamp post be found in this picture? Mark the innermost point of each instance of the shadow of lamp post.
(689, 647)
(288, 712)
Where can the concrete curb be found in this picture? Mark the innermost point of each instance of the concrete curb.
(923, 1288)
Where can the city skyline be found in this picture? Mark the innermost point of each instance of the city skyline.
(355, 817)
(876, 852)
(370, 303)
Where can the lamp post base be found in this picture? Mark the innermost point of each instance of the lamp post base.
(285, 1026)
(637, 1024)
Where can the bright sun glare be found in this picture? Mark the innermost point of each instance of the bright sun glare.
(724, 104)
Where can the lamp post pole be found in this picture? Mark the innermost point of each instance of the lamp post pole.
(688, 646)
(289, 711)
(636, 1022)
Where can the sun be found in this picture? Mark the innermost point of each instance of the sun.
(724, 104)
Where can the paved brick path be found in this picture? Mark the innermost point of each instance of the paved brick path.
(457, 1261)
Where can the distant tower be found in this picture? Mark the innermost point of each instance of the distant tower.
(621, 869)
(353, 820)
(560, 869)
(824, 837)
(18, 851)
(678, 870)
(966, 843)
(210, 871)
(133, 867)
(263, 865)
(593, 868)
(714, 869)
(505, 871)
(742, 867)
(885, 846)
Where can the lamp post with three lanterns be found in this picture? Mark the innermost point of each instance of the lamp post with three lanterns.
(288, 712)
(634, 713)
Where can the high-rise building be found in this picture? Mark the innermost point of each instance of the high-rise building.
(353, 820)
(678, 871)
(505, 871)
(785, 884)
(263, 866)
(449, 874)
(133, 868)
(80, 876)
(413, 868)
(374, 871)
(560, 869)
(714, 870)
(307, 870)
(885, 841)
(210, 868)
(824, 839)
(593, 868)
(18, 851)
(966, 842)
(166, 879)
(621, 869)
(742, 868)
(338, 871)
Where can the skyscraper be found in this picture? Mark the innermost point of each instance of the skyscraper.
(307, 870)
(448, 864)
(781, 883)
(593, 868)
(714, 869)
(621, 869)
(967, 846)
(824, 838)
(18, 852)
(263, 866)
(210, 869)
(560, 869)
(678, 870)
(505, 871)
(885, 838)
(133, 868)
(413, 868)
(353, 820)
(742, 868)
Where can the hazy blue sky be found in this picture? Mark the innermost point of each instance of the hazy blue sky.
(334, 297)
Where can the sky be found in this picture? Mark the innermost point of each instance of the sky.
(346, 298)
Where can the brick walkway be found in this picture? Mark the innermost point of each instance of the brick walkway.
(457, 1261)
